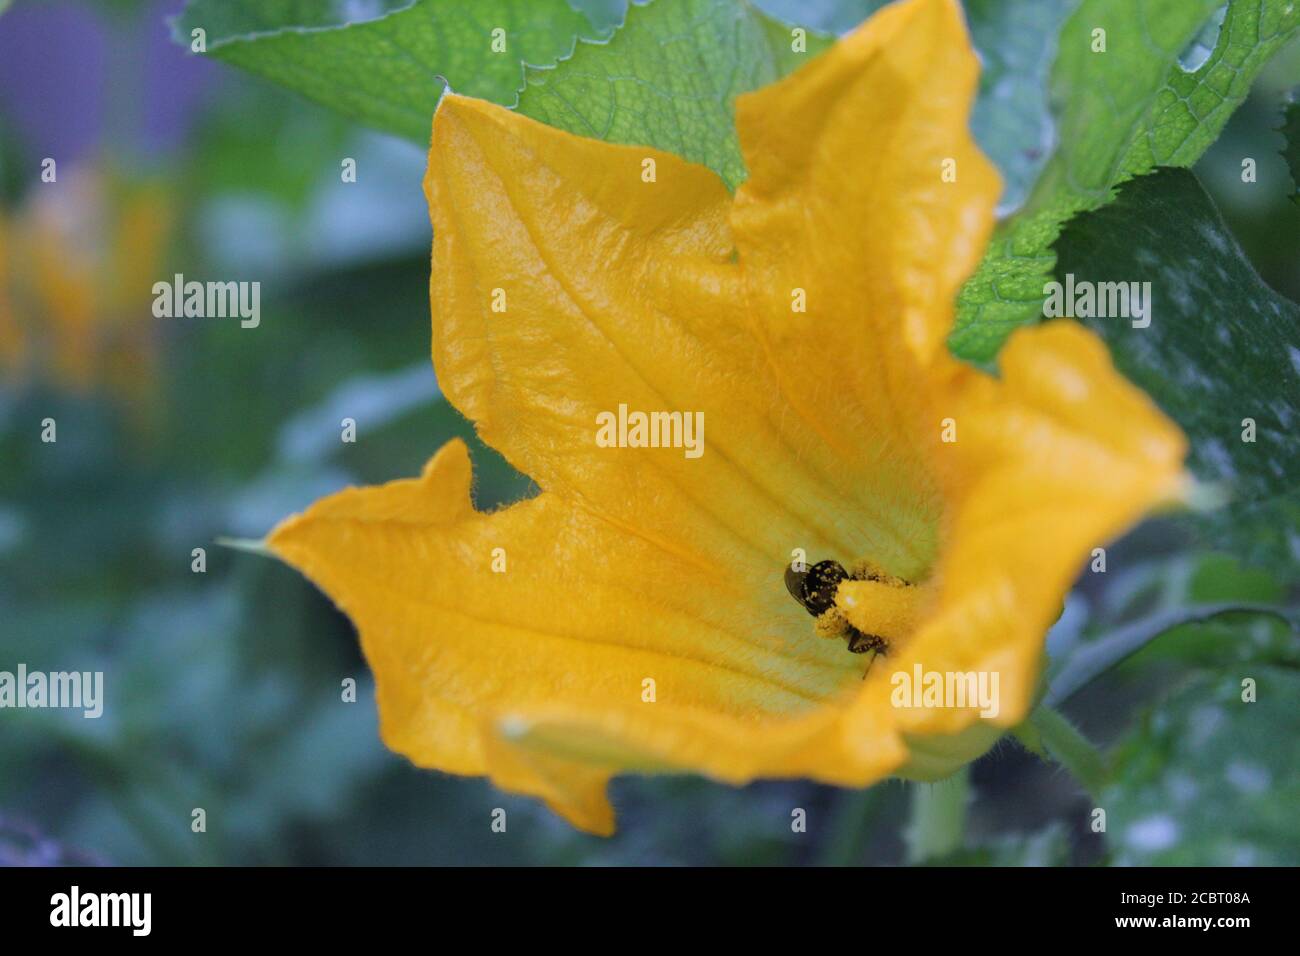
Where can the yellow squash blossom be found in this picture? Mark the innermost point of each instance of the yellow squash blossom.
(634, 617)
(77, 263)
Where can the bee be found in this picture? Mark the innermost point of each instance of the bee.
(815, 589)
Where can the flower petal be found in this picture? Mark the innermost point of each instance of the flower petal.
(1059, 456)
(617, 291)
(847, 204)
(472, 663)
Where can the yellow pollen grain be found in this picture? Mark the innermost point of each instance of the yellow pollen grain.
(831, 623)
(868, 570)
(883, 608)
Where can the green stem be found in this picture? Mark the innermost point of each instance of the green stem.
(851, 827)
(938, 826)
(1048, 730)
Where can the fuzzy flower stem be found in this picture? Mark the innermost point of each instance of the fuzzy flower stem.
(1063, 742)
(938, 825)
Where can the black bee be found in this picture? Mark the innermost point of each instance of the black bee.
(815, 590)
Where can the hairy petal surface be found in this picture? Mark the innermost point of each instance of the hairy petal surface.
(517, 674)
(1057, 457)
(618, 291)
(846, 202)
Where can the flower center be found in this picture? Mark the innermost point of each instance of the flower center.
(868, 608)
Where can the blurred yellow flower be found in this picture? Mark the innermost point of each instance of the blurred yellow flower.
(77, 263)
(633, 617)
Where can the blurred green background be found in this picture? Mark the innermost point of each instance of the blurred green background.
(223, 687)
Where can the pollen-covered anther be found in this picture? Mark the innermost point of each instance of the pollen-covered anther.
(831, 623)
(887, 606)
(866, 619)
(868, 570)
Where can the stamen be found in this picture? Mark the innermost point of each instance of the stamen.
(832, 596)
(890, 610)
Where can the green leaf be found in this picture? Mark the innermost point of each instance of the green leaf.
(605, 15)
(1222, 350)
(389, 71)
(1012, 122)
(1119, 114)
(1095, 658)
(226, 19)
(1210, 780)
(1267, 637)
(669, 78)
(1290, 130)
(826, 16)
